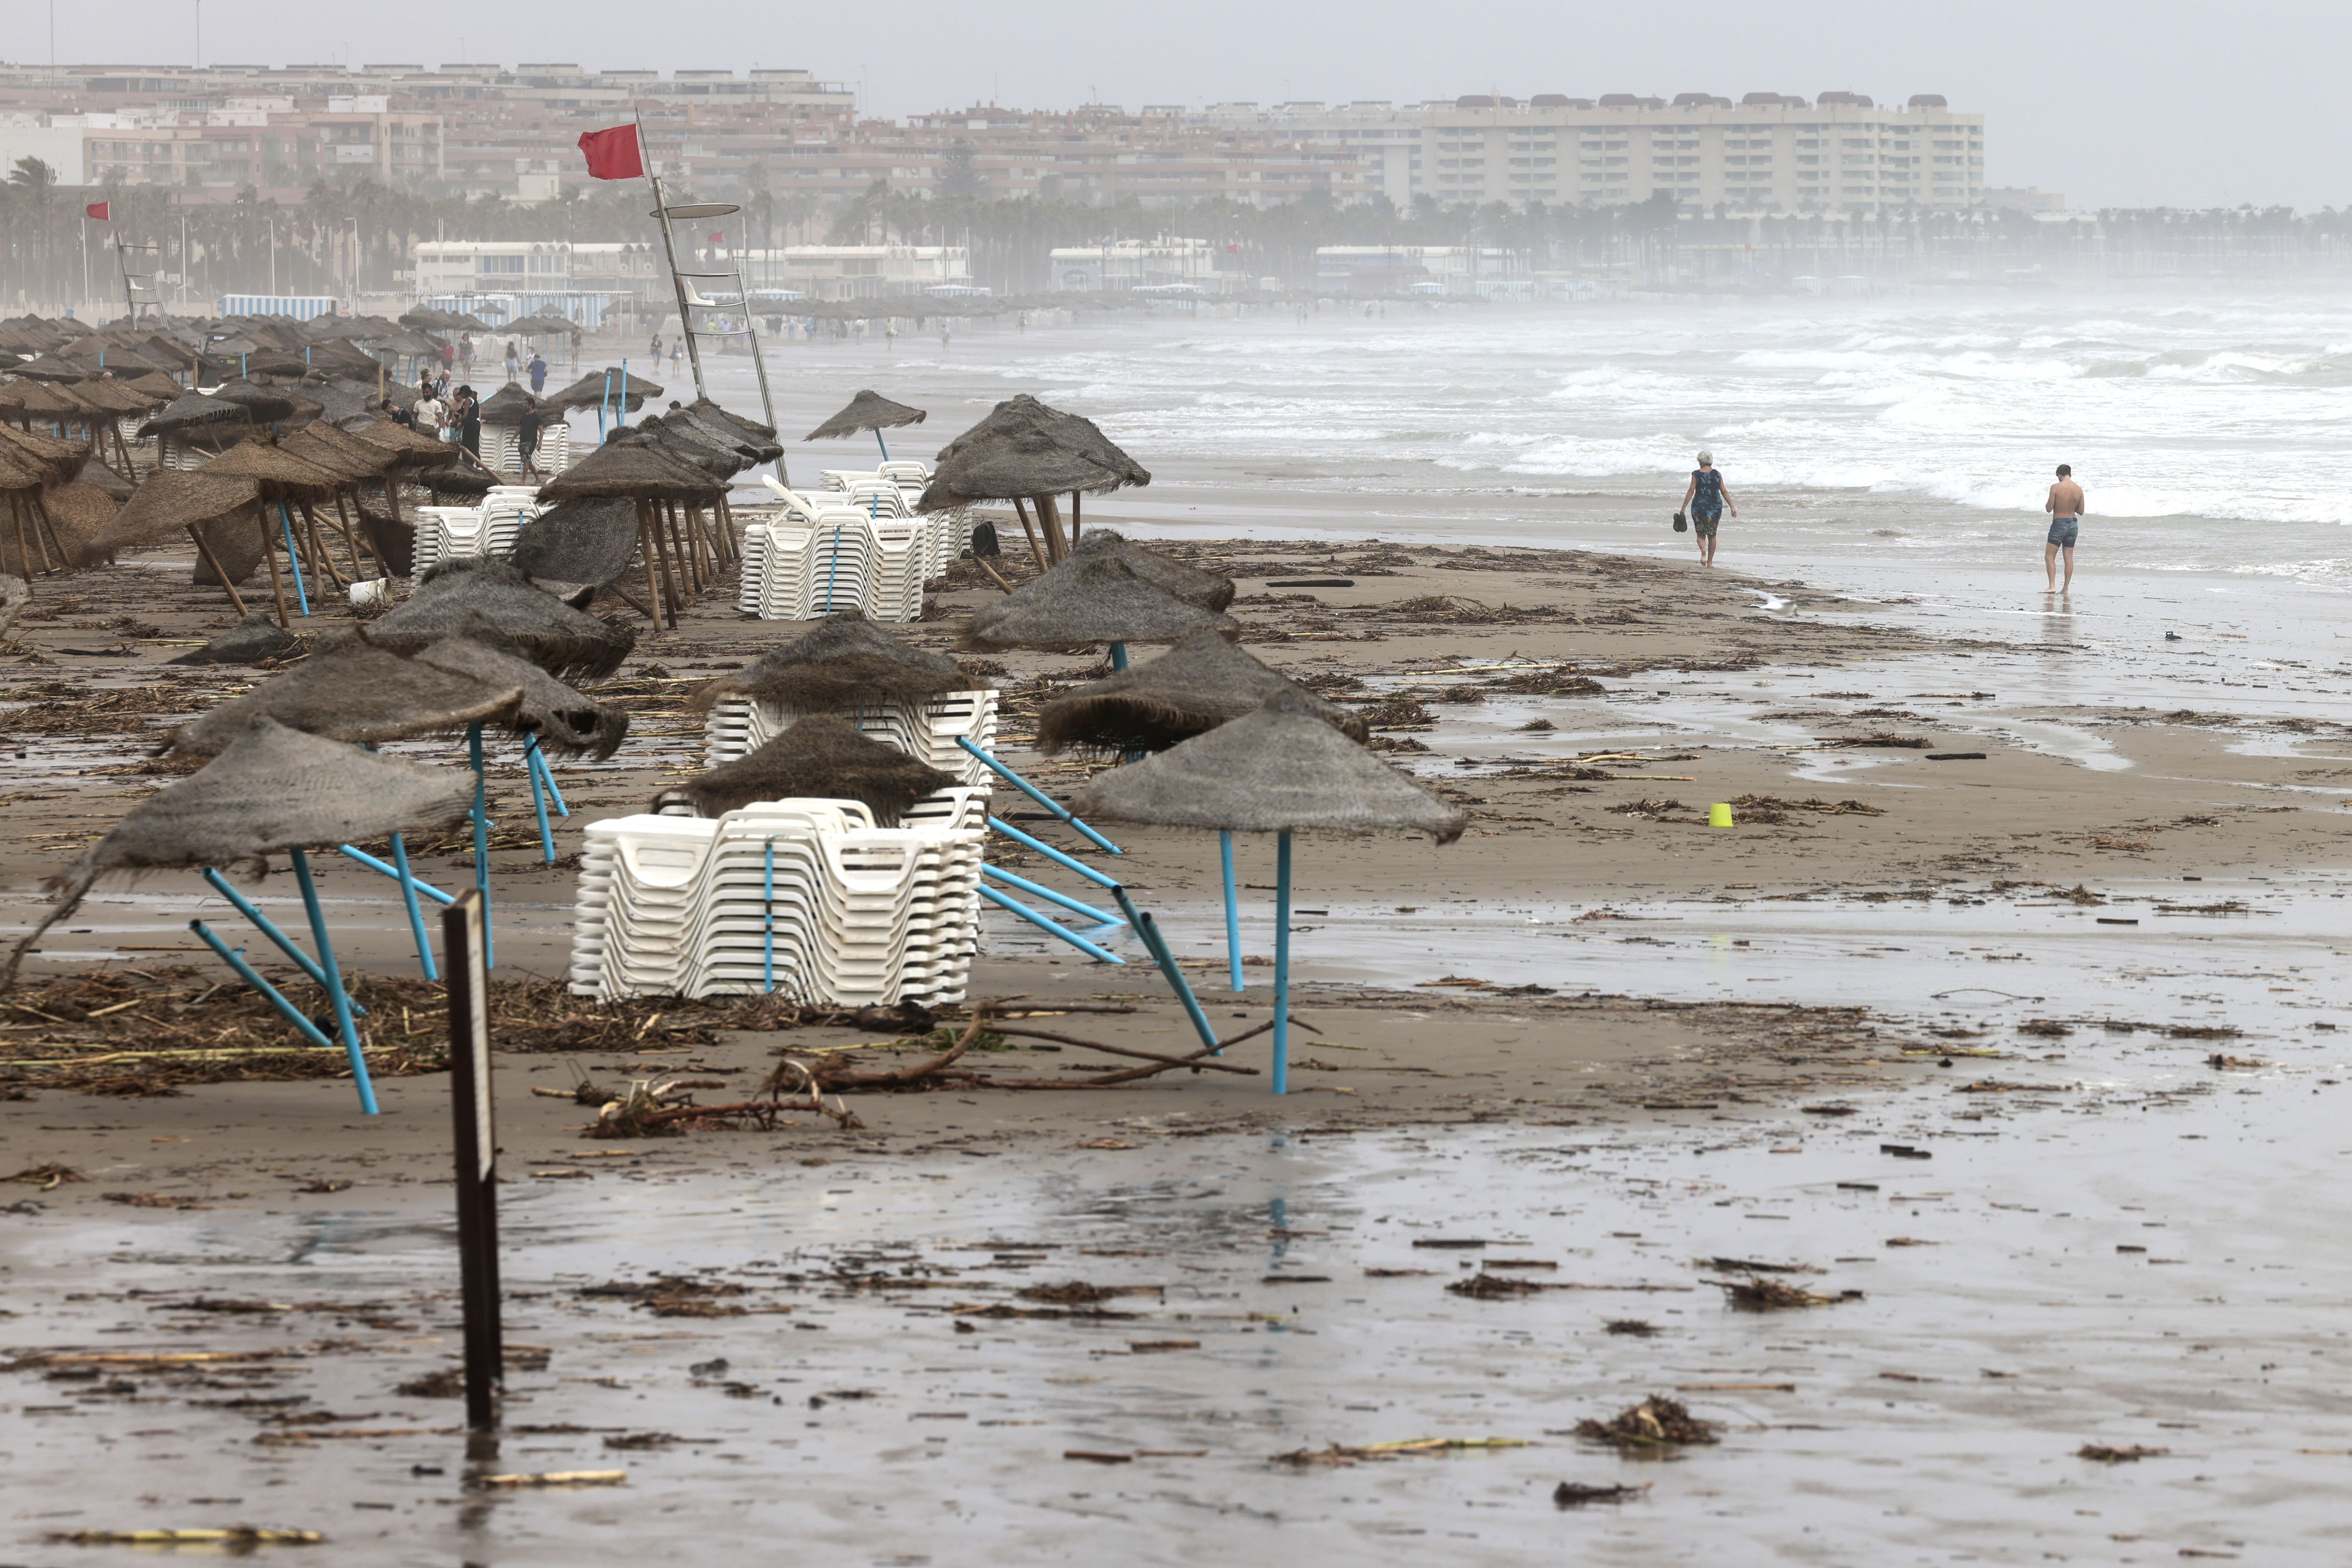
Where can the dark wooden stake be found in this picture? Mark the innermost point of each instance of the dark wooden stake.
(218, 571)
(477, 1156)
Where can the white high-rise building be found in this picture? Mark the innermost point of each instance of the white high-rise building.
(1769, 154)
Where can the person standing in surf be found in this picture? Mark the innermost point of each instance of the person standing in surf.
(1704, 498)
(2065, 509)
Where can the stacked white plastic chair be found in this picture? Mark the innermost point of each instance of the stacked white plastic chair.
(806, 898)
(826, 553)
(501, 449)
(489, 529)
(927, 730)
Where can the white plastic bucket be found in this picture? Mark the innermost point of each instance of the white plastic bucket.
(374, 591)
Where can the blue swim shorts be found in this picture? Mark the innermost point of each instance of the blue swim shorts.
(2062, 531)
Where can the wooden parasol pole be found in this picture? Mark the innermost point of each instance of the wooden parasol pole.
(1035, 550)
(1050, 516)
(214, 562)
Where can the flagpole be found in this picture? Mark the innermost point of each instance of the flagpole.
(85, 256)
(670, 251)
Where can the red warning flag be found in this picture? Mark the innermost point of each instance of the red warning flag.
(612, 153)
(97, 210)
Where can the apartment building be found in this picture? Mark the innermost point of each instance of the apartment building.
(274, 142)
(1771, 152)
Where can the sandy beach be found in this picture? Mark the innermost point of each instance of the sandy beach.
(1997, 1024)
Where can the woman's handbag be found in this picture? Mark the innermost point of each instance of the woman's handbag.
(1681, 523)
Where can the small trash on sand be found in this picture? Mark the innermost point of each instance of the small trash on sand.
(1485, 1287)
(2048, 1028)
(1079, 1293)
(560, 1479)
(1772, 1296)
(449, 1383)
(1092, 1457)
(2219, 1062)
(153, 1201)
(325, 1184)
(48, 1178)
(2106, 1455)
(1574, 1494)
(1637, 1327)
(1340, 1454)
(1656, 1422)
(236, 1535)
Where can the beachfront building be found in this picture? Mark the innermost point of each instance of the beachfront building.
(854, 271)
(502, 280)
(1771, 152)
(1377, 270)
(1166, 262)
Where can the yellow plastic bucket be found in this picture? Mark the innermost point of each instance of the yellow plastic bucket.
(1718, 816)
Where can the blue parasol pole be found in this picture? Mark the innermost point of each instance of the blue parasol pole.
(335, 992)
(768, 908)
(1118, 655)
(1060, 813)
(1052, 928)
(481, 841)
(547, 777)
(1233, 912)
(538, 797)
(1282, 966)
(302, 594)
(235, 958)
(884, 445)
(415, 915)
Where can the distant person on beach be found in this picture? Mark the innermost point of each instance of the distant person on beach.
(514, 359)
(527, 442)
(2065, 509)
(1705, 498)
(538, 372)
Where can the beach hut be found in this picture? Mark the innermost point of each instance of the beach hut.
(1282, 769)
(1026, 451)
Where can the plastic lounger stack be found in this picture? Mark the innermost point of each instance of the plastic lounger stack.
(554, 454)
(841, 559)
(927, 730)
(682, 906)
(489, 529)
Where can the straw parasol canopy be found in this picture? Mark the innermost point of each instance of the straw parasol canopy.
(274, 789)
(78, 513)
(36, 400)
(154, 385)
(562, 719)
(347, 459)
(510, 402)
(590, 541)
(55, 460)
(283, 476)
(820, 757)
(1281, 769)
(53, 367)
(598, 385)
(711, 413)
(1198, 684)
(409, 449)
(1209, 590)
(169, 501)
(715, 424)
(353, 692)
(1087, 599)
(193, 411)
(459, 596)
(96, 473)
(847, 660)
(633, 466)
(1026, 448)
(684, 440)
(251, 640)
(109, 395)
(866, 411)
(262, 404)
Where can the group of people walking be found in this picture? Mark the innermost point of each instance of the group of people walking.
(455, 415)
(1704, 500)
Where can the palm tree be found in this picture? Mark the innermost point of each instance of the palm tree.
(37, 180)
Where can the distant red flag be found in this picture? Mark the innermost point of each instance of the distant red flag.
(717, 237)
(98, 211)
(612, 153)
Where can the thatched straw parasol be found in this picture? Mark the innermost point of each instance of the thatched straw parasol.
(193, 411)
(1209, 590)
(411, 449)
(1198, 684)
(704, 409)
(510, 402)
(593, 389)
(1088, 599)
(78, 513)
(169, 502)
(347, 459)
(93, 471)
(634, 466)
(1025, 451)
(53, 367)
(155, 384)
(56, 461)
(262, 404)
(715, 424)
(1282, 769)
(281, 474)
(681, 440)
(354, 692)
(867, 411)
(821, 757)
(456, 598)
(590, 541)
(843, 661)
(561, 717)
(273, 790)
(251, 640)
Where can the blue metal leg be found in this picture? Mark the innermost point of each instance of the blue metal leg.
(1034, 919)
(768, 893)
(1061, 813)
(1282, 967)
(1118, 655)
(1071, 904)
(415, 915)
(1233, 912)
(539, 801)
(1157, 945)
(547, 777)
(235, 958)
(293, 561)
(1080, 866)
(286, 944)
(481, 843)
(373, 864)
(335, 992)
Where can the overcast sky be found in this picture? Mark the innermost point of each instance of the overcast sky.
(2179, 102)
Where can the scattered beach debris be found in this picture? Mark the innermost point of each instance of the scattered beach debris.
(1657, 1422)
(48, 1178)
(1754, 1295)
(234, 1537)
(2103, 1455)
(154, 1200)
(1340, 1454)
(449, 1383)
(1485, 1287)
(559, 1478)
(1575, 1494)
(1638, 1328)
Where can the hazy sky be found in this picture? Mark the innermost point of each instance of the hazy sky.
(2164, 101)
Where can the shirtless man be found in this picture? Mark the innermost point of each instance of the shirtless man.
(2065, 509)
